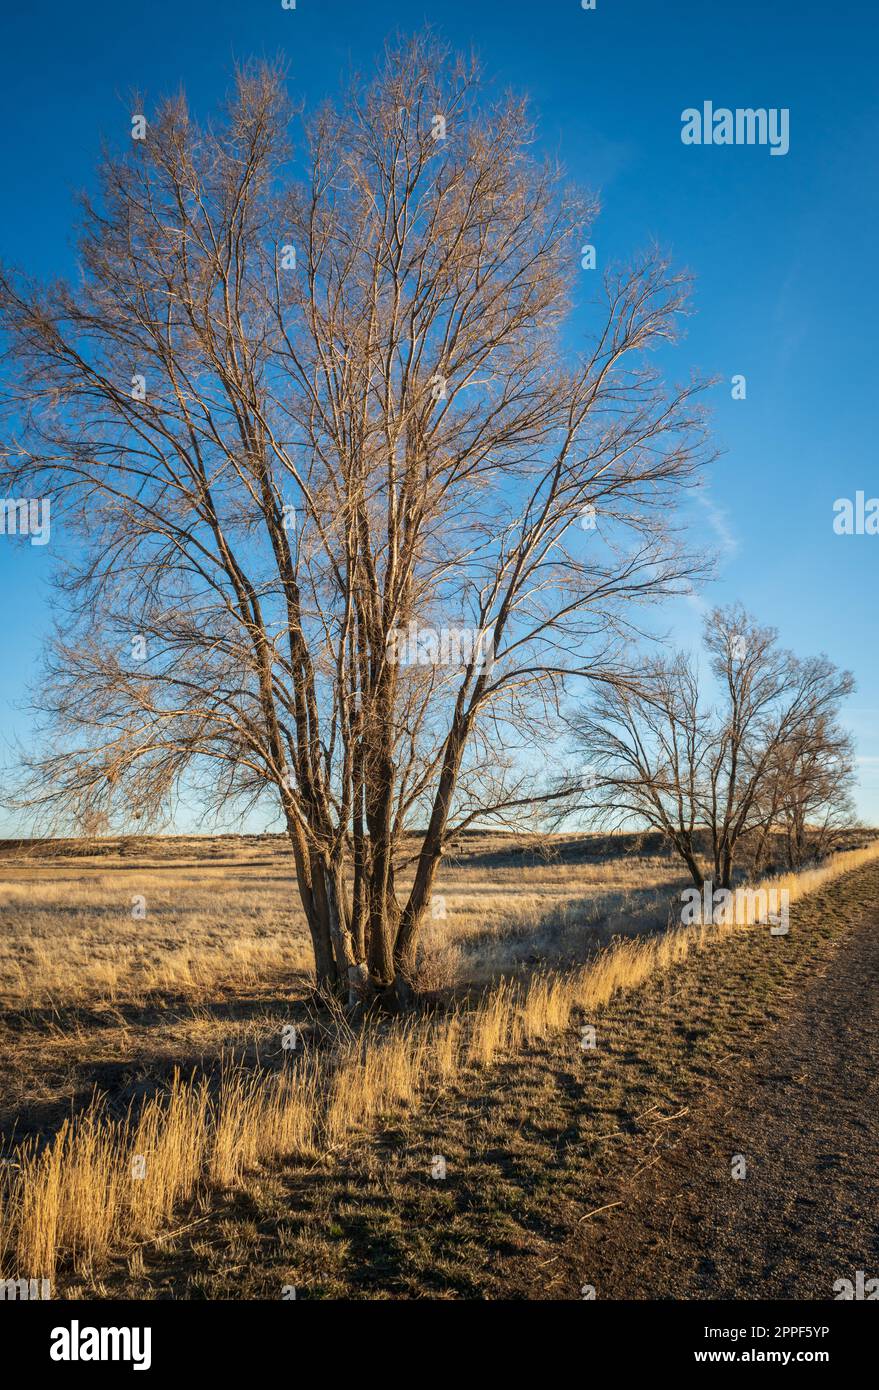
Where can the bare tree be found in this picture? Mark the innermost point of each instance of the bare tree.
(313, 420)
(769, 756)
(647, 749)
(807, 799)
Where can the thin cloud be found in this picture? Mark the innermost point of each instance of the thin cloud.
(717, 519)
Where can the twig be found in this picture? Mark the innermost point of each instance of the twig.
(169, 1235)
(599, 1209)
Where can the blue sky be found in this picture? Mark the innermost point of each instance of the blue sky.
(782, 248)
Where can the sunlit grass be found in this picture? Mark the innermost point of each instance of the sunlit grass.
(105, 1185)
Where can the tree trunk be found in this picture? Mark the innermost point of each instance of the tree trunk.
(380, 902)
(695, 872)
(325, 968)
(329, 895)
(683, 843)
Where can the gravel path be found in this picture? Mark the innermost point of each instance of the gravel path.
(804, 1117)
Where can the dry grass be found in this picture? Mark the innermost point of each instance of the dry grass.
(92, 998)
(228, 917)
(105, 1184)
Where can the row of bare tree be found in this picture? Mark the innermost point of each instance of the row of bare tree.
(731, 762)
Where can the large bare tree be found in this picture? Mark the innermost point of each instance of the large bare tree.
(351, 510)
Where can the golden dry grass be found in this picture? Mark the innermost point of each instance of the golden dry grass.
(232, 918)
(105, 1185)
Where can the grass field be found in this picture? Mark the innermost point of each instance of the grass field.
(93, 996)
(146, 987)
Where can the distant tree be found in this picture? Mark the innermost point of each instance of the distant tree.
(770, 757)
(808, 793)
(314, 421)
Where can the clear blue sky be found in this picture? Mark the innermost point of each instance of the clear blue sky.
(783, 248)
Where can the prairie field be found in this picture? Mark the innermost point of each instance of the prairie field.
(169, 1074)
(219, 961)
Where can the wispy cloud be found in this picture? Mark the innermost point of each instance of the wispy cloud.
(717, 518)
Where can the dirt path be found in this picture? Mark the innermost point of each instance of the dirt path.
(804, 1114)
